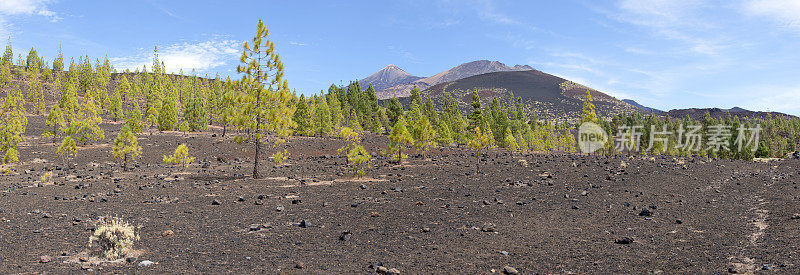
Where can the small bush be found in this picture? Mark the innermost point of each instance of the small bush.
(114, 238)
(180, 156)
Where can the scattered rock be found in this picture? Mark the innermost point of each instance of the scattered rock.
(300, 265)
(645, 212)
(130, 260)
(510, 270)
(45, 259)
(679, 221)
(279, 208)
(796, 216)
(346, 235)
(145, 263)
(215, 202)
(624, 240)
(167, 233)
(738, 268)
(393, 271)
(304, 224)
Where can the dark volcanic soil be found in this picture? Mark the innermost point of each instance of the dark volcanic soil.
(434, 214)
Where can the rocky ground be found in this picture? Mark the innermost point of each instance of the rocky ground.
(434, 214)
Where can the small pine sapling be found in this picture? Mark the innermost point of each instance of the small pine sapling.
(180, 156)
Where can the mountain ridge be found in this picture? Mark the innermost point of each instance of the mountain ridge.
(391, 81)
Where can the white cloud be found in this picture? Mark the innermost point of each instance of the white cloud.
(786, 13)
(28, 7)
(678, 20)
(785, 102)
(297, 43)
(200, 56)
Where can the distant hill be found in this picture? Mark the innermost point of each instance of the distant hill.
(642, 107)
(548, 96)
(387, 77)
(699, 113)
(394, 82)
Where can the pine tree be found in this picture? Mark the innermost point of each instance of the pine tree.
(35, 94)
(337, 116)
(133, 120)
(68, 101)
(394, 111)
(33, 61)
(184, 127)
(302, 117)
(424, 135)
(479, 141)
(179, 157)
(358, 157)
(126, 146)
(8, 55)
(268, 106)
(56, 120)
(86, 124)
(476, 117)
(67, 149)
(354, 123)
(229, 107)
(194, 112)
(12, 124)
(588, 109)
(510, 142)
(58, 63)
(116, 104)
(5, 77)
(399, 137)
(444, 135)
(168, 115)
(322, 117)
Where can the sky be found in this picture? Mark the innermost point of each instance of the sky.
(664, 54)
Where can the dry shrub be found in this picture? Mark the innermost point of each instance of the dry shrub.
(114, 238)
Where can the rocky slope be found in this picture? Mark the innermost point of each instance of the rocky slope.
(548, 96)
(394, 82)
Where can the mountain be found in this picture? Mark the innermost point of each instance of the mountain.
(642, 107)
(394, 82)
(548, 96)
(387, 77)
(699, 113)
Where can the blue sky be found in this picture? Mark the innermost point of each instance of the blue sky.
(663, 53)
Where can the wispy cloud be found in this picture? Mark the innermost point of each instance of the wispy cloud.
(297, 43)
(783, 101)
(201, 56)
(402, 52)
(28, 7)
(678, 20)
(785, 13)
(156, 4)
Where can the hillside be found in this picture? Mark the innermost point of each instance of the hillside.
(392, 81)
(642, 107)
(548, 96)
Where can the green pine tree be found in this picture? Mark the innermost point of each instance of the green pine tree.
(56, 120)
(302, 117)
(126, 147)
(267, 106)
(399, 138)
